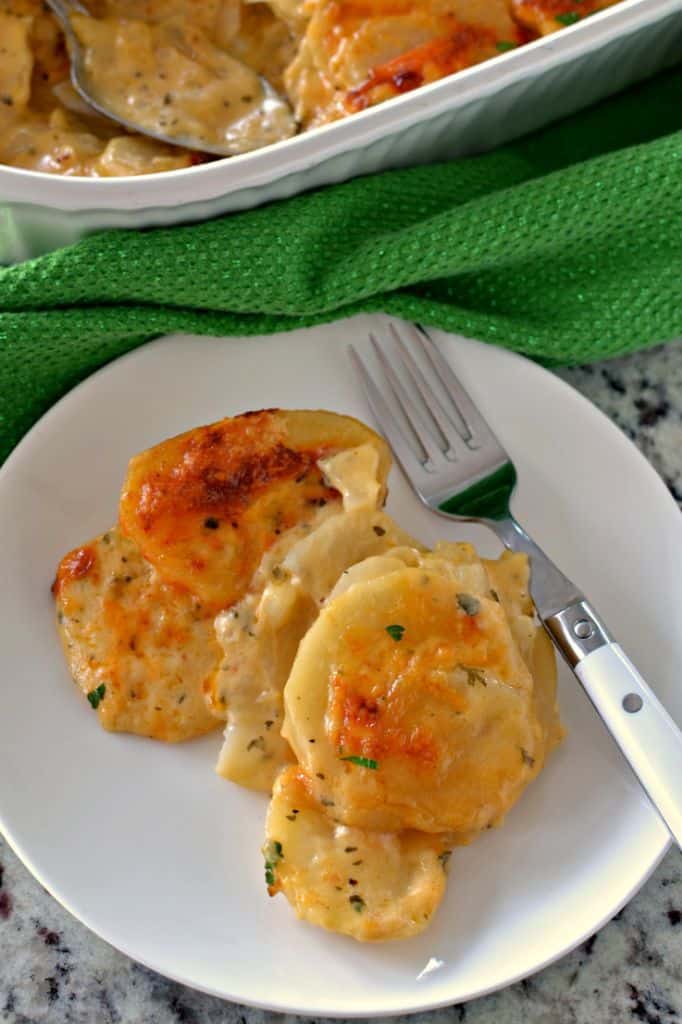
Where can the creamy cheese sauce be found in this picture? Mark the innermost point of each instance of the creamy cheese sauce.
(260, 634)
(180, 66)
(171, 79)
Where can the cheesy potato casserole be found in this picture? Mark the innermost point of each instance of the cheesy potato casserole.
(395, 702)
(198, 68)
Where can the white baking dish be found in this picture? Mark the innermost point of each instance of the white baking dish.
(470, 112)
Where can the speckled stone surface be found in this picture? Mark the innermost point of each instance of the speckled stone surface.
(53, 970)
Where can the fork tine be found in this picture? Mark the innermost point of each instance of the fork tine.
(413, 416)
(388, 424)
(432, 405)
(471, 421)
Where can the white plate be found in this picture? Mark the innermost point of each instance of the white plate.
(151, 850)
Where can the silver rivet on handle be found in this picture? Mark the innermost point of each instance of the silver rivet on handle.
(583, 629)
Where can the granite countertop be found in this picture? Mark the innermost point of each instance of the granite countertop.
(53, 970)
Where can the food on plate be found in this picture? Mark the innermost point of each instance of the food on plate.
(421, 703)
(140, 649)
(187, 67)
(136, 607)
(410, 704)
(367, 884)
(395, 701)
(203, 507)
(259, 635)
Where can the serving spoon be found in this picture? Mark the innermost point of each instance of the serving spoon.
(269, 121)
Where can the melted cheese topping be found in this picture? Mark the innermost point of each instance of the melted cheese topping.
(372, 886)
(211, 506)
(354, 55)
(411, 699)
(204, 507)
(146, 647)
(260, 634)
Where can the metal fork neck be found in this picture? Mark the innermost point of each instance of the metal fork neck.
(571, 621)
(551, 590)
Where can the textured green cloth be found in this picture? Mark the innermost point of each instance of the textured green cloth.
(566, 245)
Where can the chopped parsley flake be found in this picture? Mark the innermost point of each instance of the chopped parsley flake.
(569, 18)
(364, 762)
(505, 44)
(395, 632)
(273, 854)
(469, 605)
(474, 675)
(357, 902)
(96, 695)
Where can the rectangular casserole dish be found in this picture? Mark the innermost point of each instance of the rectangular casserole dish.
(470, 112)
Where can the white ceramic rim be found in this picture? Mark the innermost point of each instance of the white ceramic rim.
(250, 170)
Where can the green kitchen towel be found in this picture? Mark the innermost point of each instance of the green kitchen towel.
(565, 245)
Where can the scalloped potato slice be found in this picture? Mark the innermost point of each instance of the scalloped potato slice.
(204, 507)
(354, 55)
(371, 886)
(260, 634)
(140, 649)
(16, 62)
(409, 704)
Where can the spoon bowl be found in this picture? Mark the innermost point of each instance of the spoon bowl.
(247, 112)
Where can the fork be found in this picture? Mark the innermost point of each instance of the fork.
(459, 469)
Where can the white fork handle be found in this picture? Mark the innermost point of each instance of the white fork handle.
(647, 736)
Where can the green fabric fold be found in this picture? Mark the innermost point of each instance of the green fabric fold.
(565, 245)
